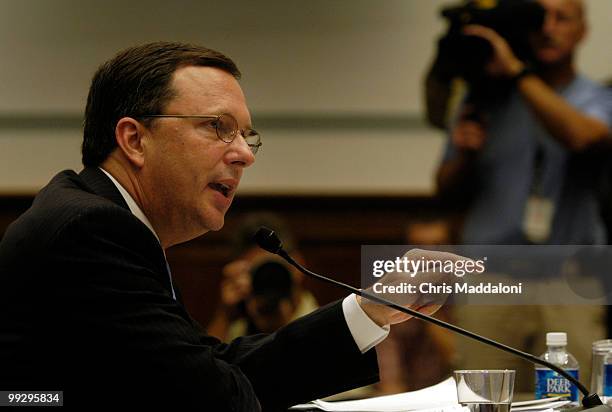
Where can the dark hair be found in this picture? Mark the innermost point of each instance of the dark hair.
(137, 82)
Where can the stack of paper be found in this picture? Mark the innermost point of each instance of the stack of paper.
(438, 398)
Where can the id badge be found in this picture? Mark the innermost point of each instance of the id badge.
(537, 219)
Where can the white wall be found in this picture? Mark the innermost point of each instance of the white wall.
(316, 58)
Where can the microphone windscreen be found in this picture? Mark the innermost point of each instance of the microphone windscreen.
(267, 240)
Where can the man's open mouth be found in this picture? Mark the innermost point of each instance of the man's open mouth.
(222, 188)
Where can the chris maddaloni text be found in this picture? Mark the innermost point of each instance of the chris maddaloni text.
(482, 288)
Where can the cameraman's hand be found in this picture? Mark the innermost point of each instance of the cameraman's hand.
(468, 134)
(236, 283)
(427, 303)
(503, 63)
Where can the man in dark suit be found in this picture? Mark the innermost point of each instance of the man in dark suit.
(87, 303)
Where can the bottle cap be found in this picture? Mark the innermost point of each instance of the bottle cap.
(556, 338)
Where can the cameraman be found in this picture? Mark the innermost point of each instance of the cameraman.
(526, 150)
(522, 166)
(259, 291)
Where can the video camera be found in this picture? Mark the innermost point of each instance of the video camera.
(465, 56)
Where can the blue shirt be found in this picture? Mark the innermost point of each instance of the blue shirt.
(505, 170)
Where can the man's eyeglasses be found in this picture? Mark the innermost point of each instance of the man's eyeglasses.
(225, 125)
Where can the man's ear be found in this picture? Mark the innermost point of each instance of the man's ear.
(129, 133)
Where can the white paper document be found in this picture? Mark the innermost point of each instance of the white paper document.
(441, 397)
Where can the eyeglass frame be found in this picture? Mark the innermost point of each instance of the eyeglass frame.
(253, 146)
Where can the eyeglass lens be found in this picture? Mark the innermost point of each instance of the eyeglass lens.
(227, 129)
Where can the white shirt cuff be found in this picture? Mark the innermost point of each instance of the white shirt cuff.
(365, 331)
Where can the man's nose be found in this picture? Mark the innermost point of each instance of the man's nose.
(549, 24)
(240, 153)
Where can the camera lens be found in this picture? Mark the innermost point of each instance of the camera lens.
(272, 281)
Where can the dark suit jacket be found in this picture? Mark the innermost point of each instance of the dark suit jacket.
(86, 307)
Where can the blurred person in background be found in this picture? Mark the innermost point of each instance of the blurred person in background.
(526, 150)
(259, 292)
(524, 168)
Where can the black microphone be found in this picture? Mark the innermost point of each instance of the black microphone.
(269, 241)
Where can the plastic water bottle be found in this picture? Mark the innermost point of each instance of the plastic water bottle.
(549, 383)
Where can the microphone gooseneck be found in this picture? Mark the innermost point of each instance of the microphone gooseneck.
(269, 241)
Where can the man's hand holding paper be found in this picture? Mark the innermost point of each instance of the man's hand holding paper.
(424, 289)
